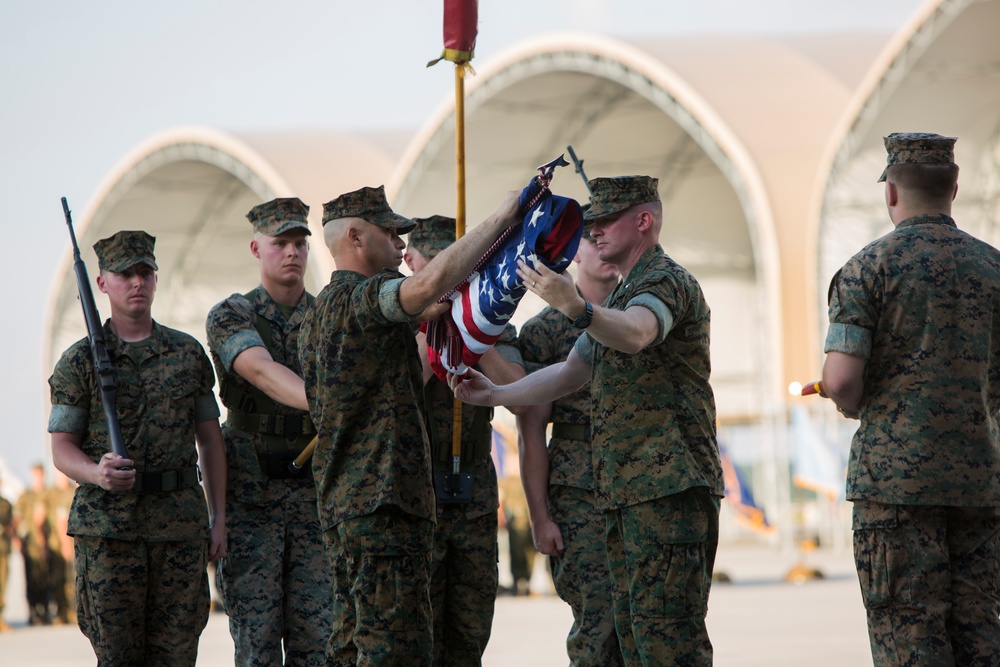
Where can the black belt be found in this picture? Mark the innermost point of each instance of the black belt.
(289, 426)
(167, 480)
(571, 431)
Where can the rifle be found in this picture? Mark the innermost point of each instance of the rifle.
(578, 167)
(99, 349)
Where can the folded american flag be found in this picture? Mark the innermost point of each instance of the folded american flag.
(481, 306)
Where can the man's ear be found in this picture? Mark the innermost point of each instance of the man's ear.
(408, 258)
(891, 193)
(254, 248)
(101, 284)
(644, 220)
(354, 234)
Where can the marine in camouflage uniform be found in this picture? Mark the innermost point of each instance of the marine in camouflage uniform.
(912, 347)
(559, 481)
(656, 462)
(464, 573)
(274, 582)
(62, 584)
(6, 543)
(142, 533)
(34, 532)
(372, 464)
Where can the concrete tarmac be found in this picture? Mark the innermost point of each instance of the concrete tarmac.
(758, 619)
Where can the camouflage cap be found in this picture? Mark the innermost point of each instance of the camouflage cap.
(613, 195)
(369, 204)
(119, 252)
(279, 216)
(432, 235)
(918, 147)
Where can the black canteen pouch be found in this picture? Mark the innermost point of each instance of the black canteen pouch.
(278, 465)
(453, 488)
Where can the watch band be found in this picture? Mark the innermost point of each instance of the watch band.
(586, 318)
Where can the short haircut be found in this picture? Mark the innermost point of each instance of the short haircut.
(924, 183)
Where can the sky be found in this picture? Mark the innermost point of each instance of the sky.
(84, 83)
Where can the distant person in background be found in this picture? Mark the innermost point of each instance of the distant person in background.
(33, 529)
(62, 579)
(6, 544)
(559, 479)
(913, 352)
(518, 522)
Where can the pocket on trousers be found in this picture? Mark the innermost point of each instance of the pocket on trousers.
(881, 555)
(675, 580)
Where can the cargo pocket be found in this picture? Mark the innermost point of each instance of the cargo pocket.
(881, 555)
(670, 579)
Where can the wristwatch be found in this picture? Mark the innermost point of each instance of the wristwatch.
(586, 318)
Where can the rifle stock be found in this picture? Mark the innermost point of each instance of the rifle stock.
(98, 347)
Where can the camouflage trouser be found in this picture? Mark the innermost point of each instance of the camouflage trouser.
(36, 582)
(142, 603)
(463, 585)
(381, 601)
(661, 554)
(582, 579)
(59, 591)
(930, 578)
(275, 584)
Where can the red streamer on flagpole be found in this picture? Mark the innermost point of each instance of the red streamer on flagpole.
(461, 19)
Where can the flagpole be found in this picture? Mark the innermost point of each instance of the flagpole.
(456, 414)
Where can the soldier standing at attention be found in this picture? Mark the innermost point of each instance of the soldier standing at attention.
(142, 534)
(913, 351)
(273, 581)
(656, 460)
(559, 481)
(372, 465)
(33, 530)
(464, 563)
(6, 543)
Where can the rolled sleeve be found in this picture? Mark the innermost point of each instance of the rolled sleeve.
(238, 343)
(388, 301)
(68, 419)
(850, 339)
(664, 318)
(584, 347)
(206, 408)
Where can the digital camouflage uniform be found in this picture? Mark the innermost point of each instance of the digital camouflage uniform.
(6, 534)
(372, 467)
(142, 588)
(464, 561)
(920, 305)
(274, 581)
(580, 574)
(464, 564)
(656, 460)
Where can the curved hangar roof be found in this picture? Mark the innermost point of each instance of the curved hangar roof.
(752, 140)
(191, 188)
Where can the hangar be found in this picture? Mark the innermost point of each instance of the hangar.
(767, 150)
